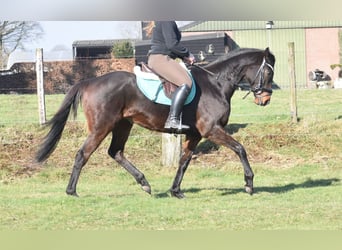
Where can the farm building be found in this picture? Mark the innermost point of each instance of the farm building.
(318, 44)
(93, 48)
(202, 43)
(206, 47)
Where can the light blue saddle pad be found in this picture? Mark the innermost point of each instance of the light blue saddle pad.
(151, 86)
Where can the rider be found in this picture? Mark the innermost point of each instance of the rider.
(165, 40)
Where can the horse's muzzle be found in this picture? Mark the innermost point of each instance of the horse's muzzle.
(263, 97)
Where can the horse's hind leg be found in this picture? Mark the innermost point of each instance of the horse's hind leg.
(116, 151)
(82, 156)
(188, 149)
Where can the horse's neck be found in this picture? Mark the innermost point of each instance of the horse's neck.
(229, 65)
(230, 71)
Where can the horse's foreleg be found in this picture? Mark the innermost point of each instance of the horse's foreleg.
(188, 148)
(120, 135)
(220, 137)
(248, 172)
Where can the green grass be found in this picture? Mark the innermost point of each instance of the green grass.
(23, 109)
(312, 104)
(297, 198)
(297, 169)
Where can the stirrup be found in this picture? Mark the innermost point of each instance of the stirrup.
(175, 124)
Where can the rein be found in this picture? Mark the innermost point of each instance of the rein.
(208, 71)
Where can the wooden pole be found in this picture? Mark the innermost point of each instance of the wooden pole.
(171, 149)
(293, 88)
(40, 86)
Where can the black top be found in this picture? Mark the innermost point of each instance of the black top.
(166, 40)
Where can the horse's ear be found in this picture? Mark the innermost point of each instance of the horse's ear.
(267, 52)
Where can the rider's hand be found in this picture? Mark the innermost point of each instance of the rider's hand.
(190, 59)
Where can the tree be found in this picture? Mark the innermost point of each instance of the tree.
(14, 35)
(123, 50)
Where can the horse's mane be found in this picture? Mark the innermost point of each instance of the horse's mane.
(233, 54)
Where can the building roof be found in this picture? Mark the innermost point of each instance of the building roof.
(202, 26)
(97, 43)
(110, 42)
(188, 38)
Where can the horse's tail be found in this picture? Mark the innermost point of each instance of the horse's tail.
(57, 123)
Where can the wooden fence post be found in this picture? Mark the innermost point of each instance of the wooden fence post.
(171, 149)
(293, 88)
(40, 86)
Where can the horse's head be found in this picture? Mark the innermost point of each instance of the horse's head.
(261, 78)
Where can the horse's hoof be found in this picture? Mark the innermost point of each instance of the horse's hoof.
(72, 193)
(147, 189)
(178, 195)
(249, 190)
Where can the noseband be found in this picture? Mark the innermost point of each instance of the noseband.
(258, 89)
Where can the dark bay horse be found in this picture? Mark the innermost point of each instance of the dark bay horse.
(112, 103)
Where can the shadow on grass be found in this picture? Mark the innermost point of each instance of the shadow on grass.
(309, 183)
(276, 189)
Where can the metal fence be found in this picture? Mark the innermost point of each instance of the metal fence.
(16, 109)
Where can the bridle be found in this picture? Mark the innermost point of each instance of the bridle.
(259, 89)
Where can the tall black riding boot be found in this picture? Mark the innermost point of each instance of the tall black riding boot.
(177, 103)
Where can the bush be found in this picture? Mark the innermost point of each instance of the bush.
(122, 50)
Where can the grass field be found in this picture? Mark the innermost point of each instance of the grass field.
(297, 169)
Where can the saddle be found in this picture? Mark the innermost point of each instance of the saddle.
(168, 87)
(156, 88)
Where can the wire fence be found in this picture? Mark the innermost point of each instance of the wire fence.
(312, 104)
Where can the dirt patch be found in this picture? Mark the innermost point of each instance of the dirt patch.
(289, 148)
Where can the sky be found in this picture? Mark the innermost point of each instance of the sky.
(64, 33)
(58, 37)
